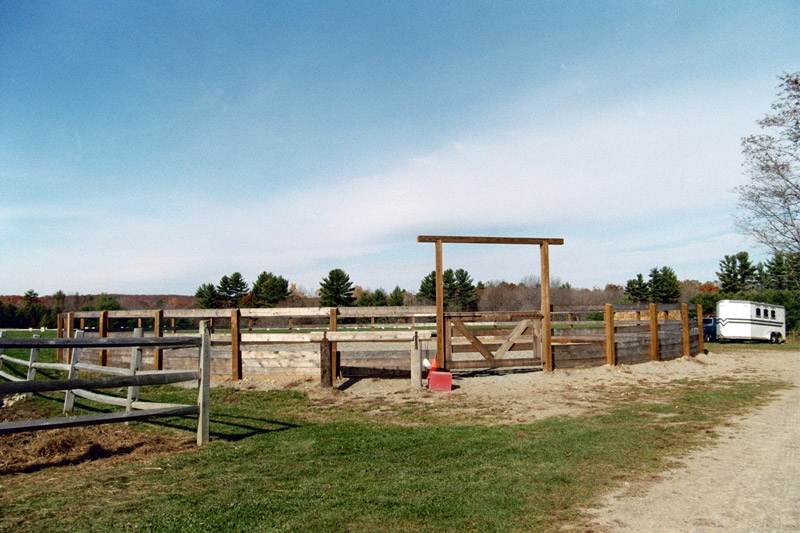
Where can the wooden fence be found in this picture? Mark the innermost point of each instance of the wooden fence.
(131, 377)
(313, 343)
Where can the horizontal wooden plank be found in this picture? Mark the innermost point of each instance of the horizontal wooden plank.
(51, 366)
(7, 428)
(114, 371)
(495, 363)
(388, 312)
(21, 362)
(276, 312)
(463, 239)
(468, 348)
(101, 343)
(100, 398)
(494, 316)
(161, 378)
(9, 377)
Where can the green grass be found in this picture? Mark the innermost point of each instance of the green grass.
(278, 462)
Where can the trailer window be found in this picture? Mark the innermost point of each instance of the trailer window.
(758, 312)
(772, 313)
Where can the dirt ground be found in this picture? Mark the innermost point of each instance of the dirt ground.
(748, 480)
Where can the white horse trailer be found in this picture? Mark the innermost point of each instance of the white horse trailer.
(745, 320)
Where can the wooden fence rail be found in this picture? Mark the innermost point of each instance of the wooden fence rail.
(133, 378)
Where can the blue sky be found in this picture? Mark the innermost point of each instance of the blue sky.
(149, 147)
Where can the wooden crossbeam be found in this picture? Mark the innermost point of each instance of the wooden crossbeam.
(512, 339)
(475, 341)
(487, 240)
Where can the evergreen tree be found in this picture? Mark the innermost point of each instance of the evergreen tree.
(269, 290)
(30, 298)
(449, 289)
(782, 272)
(379, 298)
(427, 289)
(105, 302)
(396, 297)
(232, 289)
(336, 290)
(637, 290)
(664, 286)
(207, 297)
(736, 273)
(466, 299)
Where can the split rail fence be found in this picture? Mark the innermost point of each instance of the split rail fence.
(131, 377)
(326, 343)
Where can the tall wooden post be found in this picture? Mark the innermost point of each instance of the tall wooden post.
(102, 328)
(158, 331)
(701, 341)
(60, 326)
(654, 332)
(204, 387)
(440, 335)
(611, 348)
(333, 324)
(70, 327)
(687, 350)
(325, 358)
(236, 350)
(547, 348)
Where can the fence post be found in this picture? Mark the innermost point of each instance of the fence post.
(158, 331)
(102, 328)
(60, 335)
(701, 340)
(325, 370)
(135, 366)
(687, 350)
(204, 386)
(611, 351)
(34, 357)
(332, 326)
(70, 333)
(416, 363)
(2, 336)
(236, 350)
(75, 358)
(654, 332)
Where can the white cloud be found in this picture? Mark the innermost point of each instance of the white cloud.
(648, 162)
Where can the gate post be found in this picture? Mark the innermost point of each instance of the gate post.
(654, 332)
(236, 350)
(701, 340)
(611, 349)
(687, 351)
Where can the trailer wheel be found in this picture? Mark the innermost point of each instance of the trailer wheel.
(773, 338)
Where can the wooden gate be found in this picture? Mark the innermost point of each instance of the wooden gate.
(496, 336)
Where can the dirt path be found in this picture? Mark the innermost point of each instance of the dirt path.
(748, 481)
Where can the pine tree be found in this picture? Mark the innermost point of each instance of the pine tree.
(232, 289)
(664, 286)
(336, 290)
(269, 290)
(427, 289)
(206, 296)
(637, 290)
(396, 297)
(466, 299)
(736, 273)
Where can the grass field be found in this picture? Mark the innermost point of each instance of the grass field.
(279, 462)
